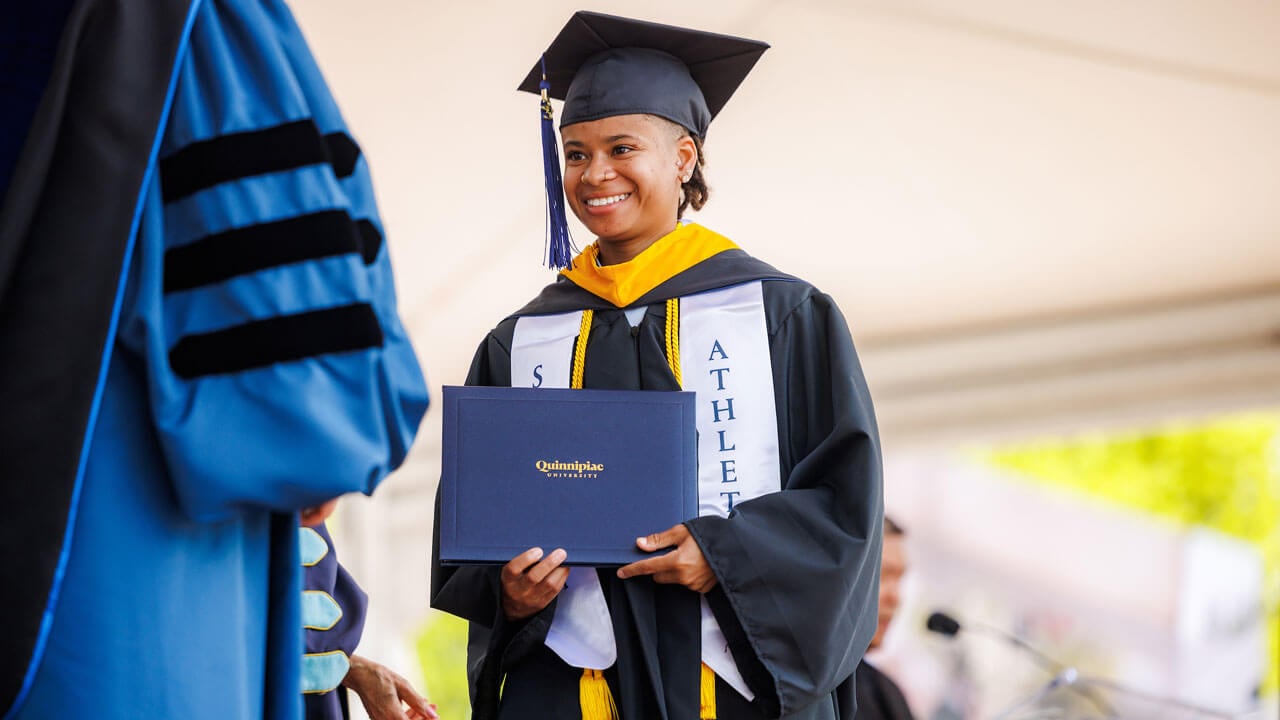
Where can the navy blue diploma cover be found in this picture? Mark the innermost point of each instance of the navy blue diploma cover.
(585, 470)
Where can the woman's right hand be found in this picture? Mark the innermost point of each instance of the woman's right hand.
(530, 582)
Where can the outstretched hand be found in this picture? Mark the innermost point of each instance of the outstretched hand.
(685, 565)
(385, 694)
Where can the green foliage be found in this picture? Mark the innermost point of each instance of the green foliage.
(1223, 475)
(442, 653)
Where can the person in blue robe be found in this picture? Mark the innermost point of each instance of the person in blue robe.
(198, 338)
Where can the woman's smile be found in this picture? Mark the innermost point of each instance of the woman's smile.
(609, 203)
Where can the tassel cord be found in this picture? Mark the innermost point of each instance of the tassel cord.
(559, 246)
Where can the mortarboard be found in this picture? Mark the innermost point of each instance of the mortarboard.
(604, 65)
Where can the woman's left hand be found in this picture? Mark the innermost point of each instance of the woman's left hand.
(685, 565)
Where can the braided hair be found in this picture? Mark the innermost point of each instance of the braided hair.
(694, 192)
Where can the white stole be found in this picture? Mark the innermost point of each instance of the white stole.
(724, 358)
(581, 631)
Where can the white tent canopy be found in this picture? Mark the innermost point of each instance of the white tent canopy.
(972, 173)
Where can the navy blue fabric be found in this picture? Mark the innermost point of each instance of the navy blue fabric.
(329, 576)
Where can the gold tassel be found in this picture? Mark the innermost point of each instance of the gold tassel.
(708, 711)
(594, 696)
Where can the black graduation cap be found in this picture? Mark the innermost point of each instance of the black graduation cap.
(604, 65)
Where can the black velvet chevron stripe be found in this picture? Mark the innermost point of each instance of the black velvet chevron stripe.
(370, 241)
(276, 340)
(296, 144)
(222, 256)
(344, 153)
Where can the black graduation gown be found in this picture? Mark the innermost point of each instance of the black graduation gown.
(798, 570)
(879, 697)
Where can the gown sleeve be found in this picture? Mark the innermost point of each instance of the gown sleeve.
(799, 570)
(263, 305)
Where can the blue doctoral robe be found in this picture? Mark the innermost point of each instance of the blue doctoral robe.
(198, 336)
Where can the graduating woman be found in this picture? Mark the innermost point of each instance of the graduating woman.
(764, 604)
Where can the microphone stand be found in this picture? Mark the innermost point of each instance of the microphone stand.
(1063, 675)
(1198, 711)
(1044, 661)
(1067, 677)
(1070, 678)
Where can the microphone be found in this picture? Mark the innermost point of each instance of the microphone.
(942, 624)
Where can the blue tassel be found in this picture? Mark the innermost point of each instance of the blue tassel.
(560, 249)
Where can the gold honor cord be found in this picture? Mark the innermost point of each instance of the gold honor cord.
(580, 350)
(673, 338)
(594, 696)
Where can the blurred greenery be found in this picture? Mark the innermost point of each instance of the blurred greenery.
(1223, 475)
(442, 653)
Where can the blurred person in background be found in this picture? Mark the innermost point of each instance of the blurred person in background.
(879, 697)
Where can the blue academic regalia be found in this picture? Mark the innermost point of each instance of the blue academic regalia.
(198, 336)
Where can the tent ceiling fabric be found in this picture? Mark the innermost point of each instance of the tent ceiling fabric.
(945, 170)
